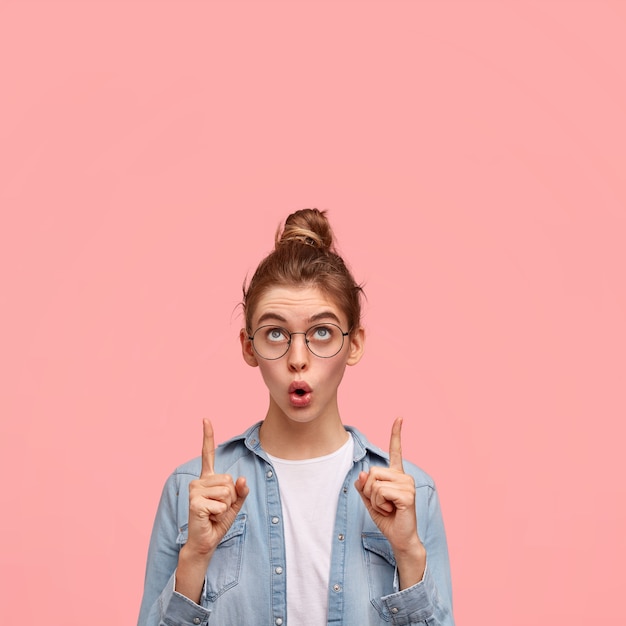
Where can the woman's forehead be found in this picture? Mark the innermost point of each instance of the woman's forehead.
(297, 304)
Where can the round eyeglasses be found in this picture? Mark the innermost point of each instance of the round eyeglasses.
(322, 340)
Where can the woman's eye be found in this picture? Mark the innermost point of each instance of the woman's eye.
(276, 334)
(322, 333)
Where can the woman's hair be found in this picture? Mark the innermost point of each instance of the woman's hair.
(304, 255)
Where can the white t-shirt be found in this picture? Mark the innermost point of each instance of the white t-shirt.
(309, 490)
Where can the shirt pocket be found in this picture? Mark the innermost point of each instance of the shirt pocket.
(380, 564)
(225, 566)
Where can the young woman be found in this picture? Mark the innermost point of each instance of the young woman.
(299, 521)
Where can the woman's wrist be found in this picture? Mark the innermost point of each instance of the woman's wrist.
(191, 572)
(411, 564)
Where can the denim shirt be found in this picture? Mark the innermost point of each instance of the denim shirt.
(246, 579)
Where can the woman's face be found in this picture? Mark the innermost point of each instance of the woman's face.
(303, 387)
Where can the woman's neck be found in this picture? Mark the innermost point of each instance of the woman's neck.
(287, 439)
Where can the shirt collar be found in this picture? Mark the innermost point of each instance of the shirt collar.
(250, 438)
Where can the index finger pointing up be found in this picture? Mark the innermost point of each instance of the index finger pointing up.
(208, 449)
(395, 446)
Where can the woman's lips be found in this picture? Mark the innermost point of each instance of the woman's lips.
(299, 394)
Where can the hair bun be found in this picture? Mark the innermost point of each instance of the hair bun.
(309, 227)
(305, 256)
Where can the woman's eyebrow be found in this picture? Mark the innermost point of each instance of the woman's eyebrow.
(271, 316)
(323, 316)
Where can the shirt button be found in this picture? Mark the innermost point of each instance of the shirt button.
(279, 570)
(395, 609)
(275, 520)
(269, 473)
(196, 620)
(278, 621)
(341, 537)
(336, 587)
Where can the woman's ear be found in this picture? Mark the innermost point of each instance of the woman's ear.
(247, 350)
(356, 345)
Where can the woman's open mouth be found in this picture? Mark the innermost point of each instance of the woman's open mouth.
(299, 394)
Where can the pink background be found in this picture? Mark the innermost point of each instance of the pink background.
(472, 158)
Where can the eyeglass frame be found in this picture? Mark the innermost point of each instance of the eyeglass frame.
(306, 341)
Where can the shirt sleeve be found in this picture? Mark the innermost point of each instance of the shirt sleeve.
(174, 609)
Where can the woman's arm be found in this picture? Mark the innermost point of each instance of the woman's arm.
(389, 495)
(214, 502)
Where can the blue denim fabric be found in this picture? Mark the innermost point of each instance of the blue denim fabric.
(246, 580)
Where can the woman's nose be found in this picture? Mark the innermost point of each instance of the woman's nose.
(298, 354)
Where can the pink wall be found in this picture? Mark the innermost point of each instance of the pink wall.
(472, 158)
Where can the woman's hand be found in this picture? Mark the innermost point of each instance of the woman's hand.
(389, 496)
(214, 502)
